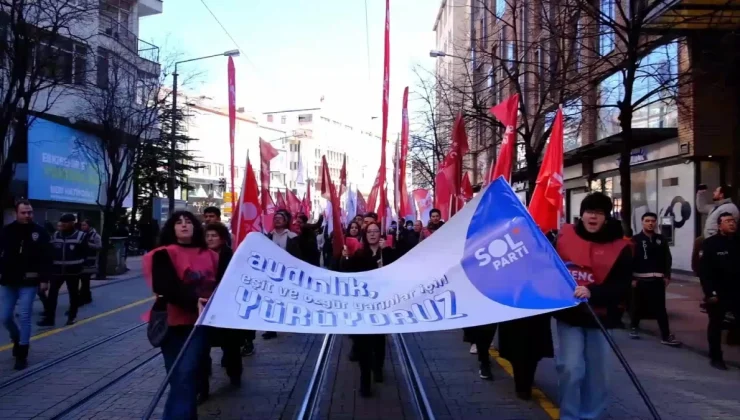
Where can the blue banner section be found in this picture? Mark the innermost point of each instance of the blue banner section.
(57, 169)
(509, 259)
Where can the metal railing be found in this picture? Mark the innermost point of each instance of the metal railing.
(111, 28)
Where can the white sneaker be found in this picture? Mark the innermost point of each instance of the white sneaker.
(473, 349)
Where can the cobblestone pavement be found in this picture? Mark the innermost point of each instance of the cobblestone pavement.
(680, 383)
(340, 399)
(102, 318)
(450, 376)
(46, 393)
(274, 380)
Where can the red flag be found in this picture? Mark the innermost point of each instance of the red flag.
(268, 214)
(267, 153)
(336, 211)
(423, 201)
(442, 195)
(294, 204)
(232, 125)
(361, 204)
(343, 177)
(546, 206)
(382, 203)
(452, 164)
(372, 199)
(325, 180)
(281, 205)
(466, 188)
(308, 206)
(248, 209)
(405, 206)
(506, 113)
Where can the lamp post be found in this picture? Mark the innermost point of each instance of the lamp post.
(173, 129)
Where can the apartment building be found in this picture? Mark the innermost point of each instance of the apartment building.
(319, 132)
(98, 51)
(682, 135)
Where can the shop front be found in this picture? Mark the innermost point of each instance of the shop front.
(663, 181)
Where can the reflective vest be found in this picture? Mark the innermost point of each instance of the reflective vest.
(588, 262)
(69, 253)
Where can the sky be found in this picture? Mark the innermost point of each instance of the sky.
(295, 51)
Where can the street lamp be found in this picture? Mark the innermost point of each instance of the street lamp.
(173, 140)
(438, 54)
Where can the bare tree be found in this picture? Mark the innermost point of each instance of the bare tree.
(43, 53)
(122, 110)
(641, 70)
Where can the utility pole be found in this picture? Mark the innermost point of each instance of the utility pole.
(173, 146)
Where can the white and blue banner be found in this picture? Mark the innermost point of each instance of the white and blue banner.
(489, 263)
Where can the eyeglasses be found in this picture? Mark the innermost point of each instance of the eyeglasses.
(373, 231)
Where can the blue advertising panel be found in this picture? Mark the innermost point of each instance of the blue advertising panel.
(58, 169)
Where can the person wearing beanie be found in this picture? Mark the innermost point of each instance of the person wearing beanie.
(600, 261)
(283, 237)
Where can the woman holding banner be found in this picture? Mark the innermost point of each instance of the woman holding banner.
(369, 348)
(184, 274)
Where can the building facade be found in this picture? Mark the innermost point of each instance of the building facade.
(98, 57)
(682, 137)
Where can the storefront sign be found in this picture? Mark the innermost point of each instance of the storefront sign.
(637, 156)
(657, 151)
(57, 169)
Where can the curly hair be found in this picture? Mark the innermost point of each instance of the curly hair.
(168, 237)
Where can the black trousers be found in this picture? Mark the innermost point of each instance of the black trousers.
(524, 371)
(482, 337)
(85, 293)
(370, 351)
(649, 297)
(716, 313)
(72, 282)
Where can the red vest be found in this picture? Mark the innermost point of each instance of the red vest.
(193, 266)
(589, 262)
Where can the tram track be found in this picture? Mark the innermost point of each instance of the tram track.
(36, 369)
(332, 374)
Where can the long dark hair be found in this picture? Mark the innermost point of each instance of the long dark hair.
(359, 229)
(365, 245)
(167, 234)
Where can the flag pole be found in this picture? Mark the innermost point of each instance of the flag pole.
(633, 377)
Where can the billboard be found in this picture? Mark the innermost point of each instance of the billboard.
(59, 169)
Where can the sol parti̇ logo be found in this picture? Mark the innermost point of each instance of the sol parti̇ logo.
(502, 251)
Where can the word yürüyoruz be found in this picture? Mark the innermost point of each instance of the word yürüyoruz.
(337, 286)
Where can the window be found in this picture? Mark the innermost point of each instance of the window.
(500, 7)
(103, 67)
(282, 119)
(606, 37)
(269, 118)
(219, 169)
(62, 59)
(305, 118)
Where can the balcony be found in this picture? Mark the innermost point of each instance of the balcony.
(150, 7)
(693, 15)
(114, 30)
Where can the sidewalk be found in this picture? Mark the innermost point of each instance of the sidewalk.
(687, 322)
(134, 266)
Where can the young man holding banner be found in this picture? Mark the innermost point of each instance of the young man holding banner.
(601, 264)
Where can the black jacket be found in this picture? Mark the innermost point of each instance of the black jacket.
(70, 253)
(719, 268)
(25, 255)
(292, 245)
(652, 256)
(365, 260)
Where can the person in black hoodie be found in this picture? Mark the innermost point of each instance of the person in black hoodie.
(369, 348)
(307, 239)
(651, 273)
(600, 260)
(719, 272)
(25, 261)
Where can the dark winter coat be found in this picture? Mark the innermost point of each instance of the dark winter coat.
(70, 253)
(720, 267)
(525, 339)
(25, 255)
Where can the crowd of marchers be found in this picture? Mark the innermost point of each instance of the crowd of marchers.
(626, 275)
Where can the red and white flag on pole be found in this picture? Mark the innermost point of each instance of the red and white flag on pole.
(442, 195)
(546, 206)
(281, 204)
(466, 188)
(267, 153)
(247, 215)
(452, 165)
(423, 201)
(336, 212)
(232, 126)
(382, 189)
(372, 199)
(343, 177)
(506, 113)
(405, 209)
(361, 204)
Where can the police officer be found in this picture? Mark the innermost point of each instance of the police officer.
(69, 254)
(719, 273)
(24, 264)
(651, 273)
